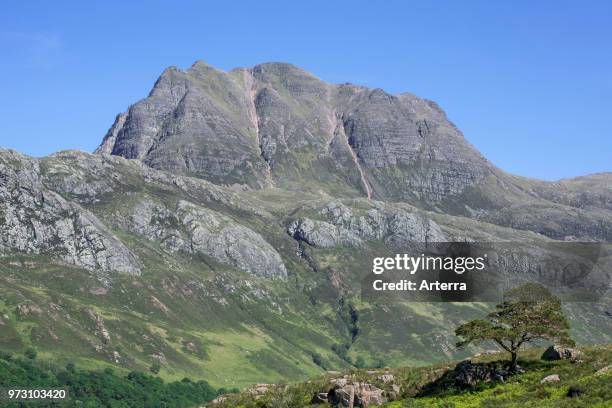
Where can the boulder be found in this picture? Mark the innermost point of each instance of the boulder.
(467, 374)
(356, 395)
(395, 392)
(25, 309)
(561, 353)
(342, 396)
(319, 398)
(386, 378)
(339, 382)
(368, 395)
(550, 378)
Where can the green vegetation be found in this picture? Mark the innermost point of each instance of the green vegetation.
(583, 384)
(528, 313)
(99, 388)
(580, 386)
(200, 318)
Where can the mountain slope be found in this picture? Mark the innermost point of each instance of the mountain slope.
(224, 225)
(226, 289)
(275, 125)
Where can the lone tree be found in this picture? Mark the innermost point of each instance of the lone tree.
(528, 312)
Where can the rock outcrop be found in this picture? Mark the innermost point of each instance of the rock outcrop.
(356, 395)
(467, 374)
(561, 353)
(192, 228)
(342, 227)
(36, 220)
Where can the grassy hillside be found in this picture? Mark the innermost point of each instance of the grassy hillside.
(230, 331)
(202, 316)
(583, 383)
(211, 329)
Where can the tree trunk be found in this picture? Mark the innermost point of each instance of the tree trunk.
(513, 360)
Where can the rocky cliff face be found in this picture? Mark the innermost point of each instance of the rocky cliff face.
(275, 124)
(191, 228)
(36, 220)
(43, 213)
(342, 227)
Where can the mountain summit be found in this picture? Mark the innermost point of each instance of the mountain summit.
(277, 125)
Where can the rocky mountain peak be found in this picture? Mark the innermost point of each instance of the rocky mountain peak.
(278, 125)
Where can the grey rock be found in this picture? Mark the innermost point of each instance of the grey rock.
(342, 227)
(192, 228)
(339, 382)
(28, 309)
(319, 398)
(387, 378)
(550, 378)
(356, 395)
(222, 238)
(342, 396)
(192, 123)
(561, 353)
(80, 176)
(158, 223)
(467, 374)
(322, 234)
(34, 219)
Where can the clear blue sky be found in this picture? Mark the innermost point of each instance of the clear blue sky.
(529, 83)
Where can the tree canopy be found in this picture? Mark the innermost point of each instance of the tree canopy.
(103, 388)
(528, 312)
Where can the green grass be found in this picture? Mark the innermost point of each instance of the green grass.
(521, 390)
(245, 329)
(240, 338)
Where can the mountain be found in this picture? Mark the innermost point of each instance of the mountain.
(277, 126)
(220, 228)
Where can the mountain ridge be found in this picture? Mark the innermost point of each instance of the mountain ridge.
(277, 125)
